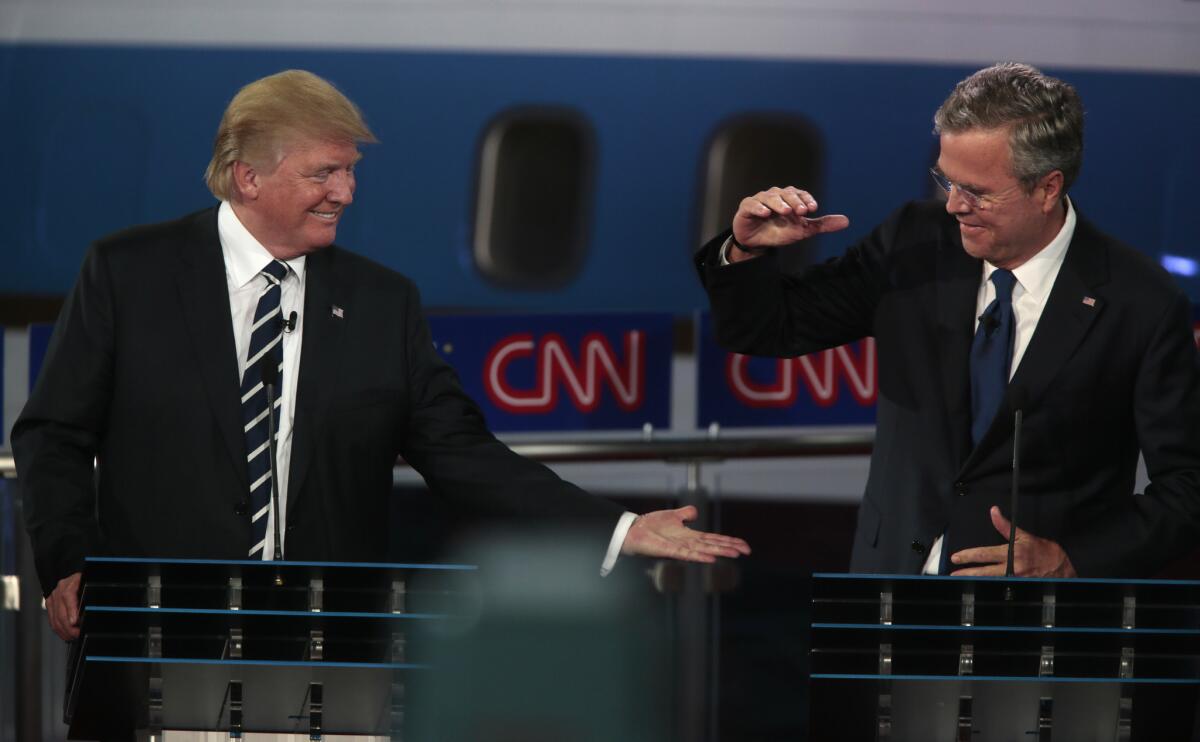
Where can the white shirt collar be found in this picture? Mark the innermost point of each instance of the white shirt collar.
(1036, 275)
(244, 255)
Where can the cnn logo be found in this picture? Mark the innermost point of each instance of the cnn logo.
(581, 377)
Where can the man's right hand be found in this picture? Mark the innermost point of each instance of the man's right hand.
(62, 607)
(779, 216)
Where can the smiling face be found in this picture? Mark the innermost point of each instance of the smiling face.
(294, 209)
(1009, 224)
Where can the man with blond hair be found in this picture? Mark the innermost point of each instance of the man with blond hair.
(1000, 299)
(147, 431)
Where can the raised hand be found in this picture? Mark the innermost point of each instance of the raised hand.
(663, 534)
(1032, 556)
(780, 216)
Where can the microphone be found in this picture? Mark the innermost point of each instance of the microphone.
(1019, 401)
(987, 319)
(289, 323)
(269, 368)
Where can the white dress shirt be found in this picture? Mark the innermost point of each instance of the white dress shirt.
(1035, 277)
(245, 257)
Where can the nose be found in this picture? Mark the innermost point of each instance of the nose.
(341, 187)
(956, 203)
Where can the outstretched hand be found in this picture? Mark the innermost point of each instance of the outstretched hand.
(1032, 556)
(779, 216)
(662, 533)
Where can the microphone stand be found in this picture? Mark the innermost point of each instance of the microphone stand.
(1012, 516)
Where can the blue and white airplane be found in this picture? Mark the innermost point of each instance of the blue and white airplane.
(108, 108)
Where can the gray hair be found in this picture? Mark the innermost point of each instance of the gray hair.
(1045, 116)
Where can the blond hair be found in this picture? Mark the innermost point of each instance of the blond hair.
(268, 114)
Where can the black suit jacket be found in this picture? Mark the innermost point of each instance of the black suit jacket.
(141, 375)
(1111, 369)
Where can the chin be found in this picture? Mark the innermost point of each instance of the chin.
(323, 238)
(980, 252)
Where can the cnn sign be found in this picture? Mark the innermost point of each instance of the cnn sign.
(838, 386)
(562, 372)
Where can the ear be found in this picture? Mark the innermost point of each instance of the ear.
(1052, 190)
(245, 180)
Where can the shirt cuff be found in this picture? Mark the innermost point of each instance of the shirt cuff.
(614, 545)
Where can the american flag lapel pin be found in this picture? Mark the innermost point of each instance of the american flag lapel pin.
(1089, 301)
(337, 311)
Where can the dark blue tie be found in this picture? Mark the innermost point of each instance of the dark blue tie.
(991, 355)
(266, 336)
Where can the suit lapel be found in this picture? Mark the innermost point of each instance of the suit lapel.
(323, 331)
(204, 298)
(958, 276)
(1071, 308)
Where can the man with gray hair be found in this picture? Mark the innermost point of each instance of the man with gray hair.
(1001, 299)
(147, 431)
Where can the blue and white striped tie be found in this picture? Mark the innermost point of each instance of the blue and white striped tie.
(266, 336)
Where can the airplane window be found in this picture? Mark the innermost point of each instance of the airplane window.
(754, 152)
(534, 197)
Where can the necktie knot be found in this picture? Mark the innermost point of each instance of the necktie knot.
(1004, 280)
(275, 271)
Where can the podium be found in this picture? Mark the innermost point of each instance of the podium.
(308, 648)
(906, 657)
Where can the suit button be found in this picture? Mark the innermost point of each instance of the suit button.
(918, 547)
(960, 489)
(241, 508)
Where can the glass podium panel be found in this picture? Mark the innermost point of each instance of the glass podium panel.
(901, 657)
(251, 646)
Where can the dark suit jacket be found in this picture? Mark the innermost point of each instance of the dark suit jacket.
(141, 373)
(1103, 378)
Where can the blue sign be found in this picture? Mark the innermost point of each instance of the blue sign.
(562, 372)
(833, 387)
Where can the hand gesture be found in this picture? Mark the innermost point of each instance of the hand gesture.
(1032, 556)
(62, 607)
(663, 534)
(779, 216)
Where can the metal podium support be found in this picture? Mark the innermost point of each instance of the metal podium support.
(905, 657)
(236, 647)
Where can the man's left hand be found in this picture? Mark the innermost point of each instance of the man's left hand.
(1032, 556)
(663, 534)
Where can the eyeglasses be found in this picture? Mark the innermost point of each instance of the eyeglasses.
(974, 199)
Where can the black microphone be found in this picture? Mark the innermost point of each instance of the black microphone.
(269, 368)
(989, 322)
(289, 323)
(1019, 401)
